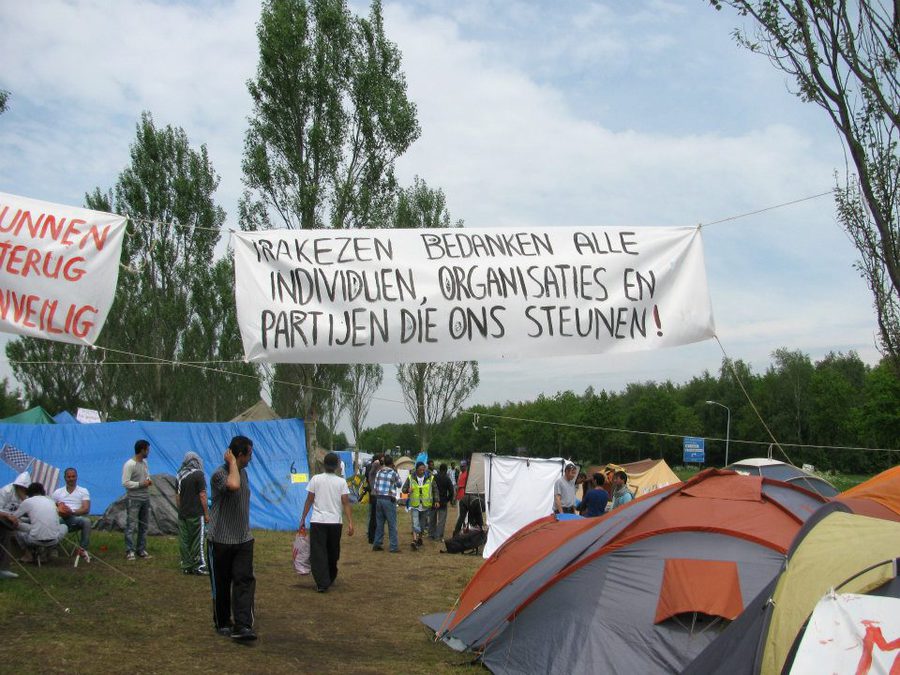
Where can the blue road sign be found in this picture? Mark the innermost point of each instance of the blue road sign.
(694, 450)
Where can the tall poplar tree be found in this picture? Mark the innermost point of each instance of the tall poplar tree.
(432, 392)
(330, 116)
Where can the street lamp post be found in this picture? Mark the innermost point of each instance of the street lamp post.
(727, 426)
(494, 429)
(475, 421)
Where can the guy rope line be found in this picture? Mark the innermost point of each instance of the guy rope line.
(231, 230)
(737, 377)
(768, 208)
(32, 577)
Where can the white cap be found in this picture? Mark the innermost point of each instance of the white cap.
(23, 479)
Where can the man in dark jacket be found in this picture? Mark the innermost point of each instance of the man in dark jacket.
(445, 489)
(368, 487)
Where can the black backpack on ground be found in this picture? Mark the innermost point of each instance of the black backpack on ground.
(466, 542)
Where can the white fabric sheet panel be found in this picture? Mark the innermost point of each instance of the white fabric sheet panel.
(518, 491)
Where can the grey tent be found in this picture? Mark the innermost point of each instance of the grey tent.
(643, 589)
(258, 412)
(772, 468)
(163, 513)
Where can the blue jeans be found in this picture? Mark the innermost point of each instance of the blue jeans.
(137, 515)
(80, 523)
(422, 520)
(386, 510)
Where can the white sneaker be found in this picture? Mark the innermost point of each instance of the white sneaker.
(6, 574)
(129, 555)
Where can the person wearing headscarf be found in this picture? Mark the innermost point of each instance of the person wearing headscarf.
(193, 514)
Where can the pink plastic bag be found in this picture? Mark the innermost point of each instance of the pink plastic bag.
(301, 554)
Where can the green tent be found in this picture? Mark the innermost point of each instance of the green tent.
(36, 415)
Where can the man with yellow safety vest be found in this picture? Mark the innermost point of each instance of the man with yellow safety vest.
(423, 500)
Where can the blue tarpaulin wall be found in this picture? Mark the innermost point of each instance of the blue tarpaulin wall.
(98, 451)
(347, 458)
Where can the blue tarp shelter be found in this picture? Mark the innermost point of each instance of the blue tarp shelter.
(65, 417)
(278, 473)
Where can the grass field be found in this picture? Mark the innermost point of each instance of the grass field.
(150, 618)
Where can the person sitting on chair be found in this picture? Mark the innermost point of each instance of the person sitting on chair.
(73, 503)
(37, 522)
(10, 497)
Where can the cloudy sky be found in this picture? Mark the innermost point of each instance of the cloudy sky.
(569, 113)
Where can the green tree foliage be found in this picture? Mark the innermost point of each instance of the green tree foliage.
(311, 398)
(4, 97)
(330, 116)
(213, 336)
(845, 58)
(9, 400)
(434, 392)
(419, 206)
(389, 437)
(837, 401)
(173, 301)
(50, 373)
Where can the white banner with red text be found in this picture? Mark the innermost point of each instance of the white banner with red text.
(400, 296)
(849, 633)
(58, 269)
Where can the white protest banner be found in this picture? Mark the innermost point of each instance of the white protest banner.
(58, 269)
(849, 633)
(400, 296)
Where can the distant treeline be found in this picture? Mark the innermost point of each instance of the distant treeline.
(838, 401)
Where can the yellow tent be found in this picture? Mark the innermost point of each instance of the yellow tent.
(644, 476)
(844, 552)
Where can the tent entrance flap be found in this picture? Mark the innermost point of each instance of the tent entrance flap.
(706, 586)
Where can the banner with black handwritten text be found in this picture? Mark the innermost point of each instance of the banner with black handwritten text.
(58, 269)
(397, 296)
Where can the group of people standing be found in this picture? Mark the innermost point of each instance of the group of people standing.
(601, 492)
(429, 493)
(215, 540)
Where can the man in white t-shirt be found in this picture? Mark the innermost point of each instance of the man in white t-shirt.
(37, 521)
(328, 496)
(74, 504)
